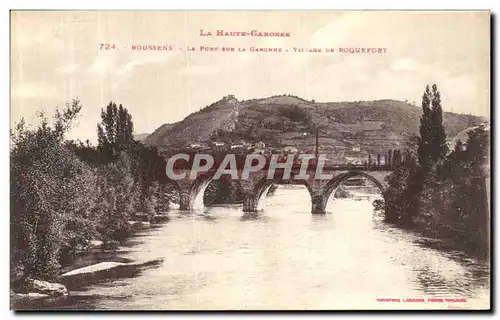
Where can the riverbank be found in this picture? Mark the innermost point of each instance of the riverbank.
(100, 262)
(437, 240)
(432, 237)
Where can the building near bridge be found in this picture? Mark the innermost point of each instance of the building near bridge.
(259, 145)
(290, 149)
(218, 146)
(357, 158)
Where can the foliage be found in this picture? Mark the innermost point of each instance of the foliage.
(440, 193)
(114, 133)
(342, 193)
(118, 197)
(432, 148)
(157, 200)
(401, 198)
(52, 196)
(222, 191)
(65, 193)
(115, 137)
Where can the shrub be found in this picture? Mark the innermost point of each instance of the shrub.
(52, 197)
(118, 197)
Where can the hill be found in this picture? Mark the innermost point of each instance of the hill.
(141, 136)
(463, 135)
(279, 121)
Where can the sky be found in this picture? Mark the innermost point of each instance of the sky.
(56, 56)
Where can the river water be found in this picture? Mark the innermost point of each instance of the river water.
(287, 258)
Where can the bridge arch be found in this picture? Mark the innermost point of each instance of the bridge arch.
(191, 192)
(255, 187)
(334, 183)
(217, 191)
(260, 189)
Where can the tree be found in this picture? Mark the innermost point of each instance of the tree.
(115, 132)
(439, 146)
(401, 198)
(396, 157)
(115, 136)
(425, 130)
(432, 148)
(84, 151)
(118, 197)
(465, 217)
(443, 195)
(52, 196)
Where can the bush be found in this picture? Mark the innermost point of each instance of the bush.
(118, 196)
(156, 200)
(449, 202)
(342, 193)
(52, 197)
(65, 194)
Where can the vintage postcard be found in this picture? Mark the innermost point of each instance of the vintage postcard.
(250, 160)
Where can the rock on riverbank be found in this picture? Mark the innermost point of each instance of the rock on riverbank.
(105, 270)
(32, 289)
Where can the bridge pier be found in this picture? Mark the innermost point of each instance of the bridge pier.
(189, 190)
(250, 203)
(318, 205)
(186, 202)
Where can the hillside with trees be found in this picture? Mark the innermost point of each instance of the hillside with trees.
(286, 120)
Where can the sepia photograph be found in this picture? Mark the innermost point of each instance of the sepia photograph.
(250, 160)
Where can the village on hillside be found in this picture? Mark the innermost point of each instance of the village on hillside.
(353, 156)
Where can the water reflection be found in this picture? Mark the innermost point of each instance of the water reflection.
(250, 216)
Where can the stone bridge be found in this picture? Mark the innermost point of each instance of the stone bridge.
(258, 184)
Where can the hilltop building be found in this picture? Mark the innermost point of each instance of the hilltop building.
(230, 98)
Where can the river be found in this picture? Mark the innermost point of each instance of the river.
(287, 258)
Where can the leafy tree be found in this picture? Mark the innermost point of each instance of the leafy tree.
(156, 200)
(432, 148)
(439, 146)
(66, 193)
(396, 157)
(467, 215)
(402, 197)
(118, 197)
(223, 191)
(115, 132)
(52, 196)
(115, 136)
(443, 195)
(84, 151)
